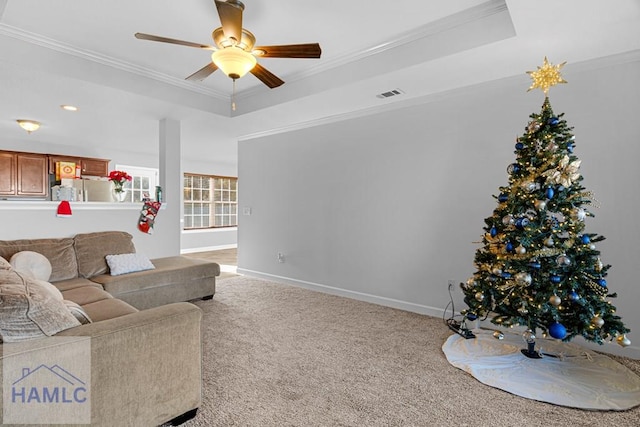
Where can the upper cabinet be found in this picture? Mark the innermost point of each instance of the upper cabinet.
(88, 166)
(23, 175)
(94, 167)
(27, 175)
(7, 174)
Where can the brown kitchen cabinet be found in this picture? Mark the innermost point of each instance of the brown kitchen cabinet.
(23, 175)
(88, 166)
(94, 167)
(7, 174)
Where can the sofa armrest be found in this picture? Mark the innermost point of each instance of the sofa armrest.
(145, 366)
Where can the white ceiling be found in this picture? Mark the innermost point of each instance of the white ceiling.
(83, 52)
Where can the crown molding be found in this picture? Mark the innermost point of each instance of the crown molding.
(489, 8)
(578, 67)
(55, 45)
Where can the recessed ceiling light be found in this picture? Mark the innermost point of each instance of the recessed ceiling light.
(69, 107)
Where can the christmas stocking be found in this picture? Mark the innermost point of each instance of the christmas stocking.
(148, 215)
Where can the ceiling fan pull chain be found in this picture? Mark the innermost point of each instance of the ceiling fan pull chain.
(233, 96)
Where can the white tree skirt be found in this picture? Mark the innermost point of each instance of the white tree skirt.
(579, 378)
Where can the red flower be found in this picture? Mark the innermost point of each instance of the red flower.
(119, 176)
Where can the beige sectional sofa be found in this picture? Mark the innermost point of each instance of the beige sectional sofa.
(145, 343)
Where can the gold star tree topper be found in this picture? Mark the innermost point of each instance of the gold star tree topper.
(546, 76)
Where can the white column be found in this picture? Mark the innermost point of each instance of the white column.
(170, 159)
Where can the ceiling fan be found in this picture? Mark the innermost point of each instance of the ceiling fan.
(234, 51)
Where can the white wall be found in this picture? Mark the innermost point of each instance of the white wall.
(29, 219)
(386, 207)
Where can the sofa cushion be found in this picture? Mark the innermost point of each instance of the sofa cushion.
(85, 295)
(169, 270)
(29, 309)
(59, 252)
(32, 263)
(92, 248)
(78, 282)
(108, 309)
(128, 263)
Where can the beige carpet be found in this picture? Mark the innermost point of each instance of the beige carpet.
(276, 355)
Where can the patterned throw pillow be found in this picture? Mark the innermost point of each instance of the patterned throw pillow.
(128, 263)
(30, 308)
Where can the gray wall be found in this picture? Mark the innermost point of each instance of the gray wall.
(386, 207)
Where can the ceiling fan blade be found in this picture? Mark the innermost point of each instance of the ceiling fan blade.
(230, 13)
(307, 50)
(143, 36)
(203, 72)
(266, 76)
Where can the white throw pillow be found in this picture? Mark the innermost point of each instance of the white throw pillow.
(32, 263)
(128, 263)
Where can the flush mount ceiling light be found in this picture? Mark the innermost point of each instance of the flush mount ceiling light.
(29, 125)
(69, 107)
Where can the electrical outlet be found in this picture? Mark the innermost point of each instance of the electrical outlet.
(280, 257)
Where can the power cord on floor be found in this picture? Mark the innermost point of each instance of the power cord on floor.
(459, 328)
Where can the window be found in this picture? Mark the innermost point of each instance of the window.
(210, 201)
(144, 180)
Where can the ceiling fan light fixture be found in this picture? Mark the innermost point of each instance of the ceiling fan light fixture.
(233, 61)
(29, 125)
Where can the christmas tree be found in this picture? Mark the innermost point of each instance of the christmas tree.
(537, 266)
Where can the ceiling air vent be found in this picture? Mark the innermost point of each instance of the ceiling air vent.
(390, 93)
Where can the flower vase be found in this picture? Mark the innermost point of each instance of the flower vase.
(119, 196)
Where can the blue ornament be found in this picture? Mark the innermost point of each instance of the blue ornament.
(522, 223)
(506, 275)
(570, 148)
(471, 316)
(535, 265)
(549, 193)
(555, 279)
(553, 121)
(503, 197)
(509, 247)
(573, 296)
(513, 168)
(560, 188)
(602, 282)
(493, 232)
(557, 330)
(519, 146)
(585, 239)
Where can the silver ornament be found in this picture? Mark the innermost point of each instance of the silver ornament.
(496, 271)
(623, 340)
(507, 220)
(579, 214)
(592, 247)
(555, 300)
(540, 205)
(523, 278)
(563, 260)
(479, 296)
(523, 310)
(498, 335)
(597, 321)
(521, 250)
(548, 242)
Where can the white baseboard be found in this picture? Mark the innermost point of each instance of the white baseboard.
(208, 248)
(374, 299)
(632, 352)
